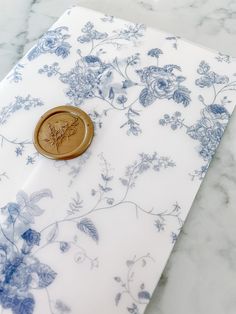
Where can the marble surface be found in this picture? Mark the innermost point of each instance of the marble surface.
(200, 276)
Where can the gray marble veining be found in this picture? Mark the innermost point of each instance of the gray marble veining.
(200, 277)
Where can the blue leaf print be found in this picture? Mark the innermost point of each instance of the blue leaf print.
(118, 298)
(92, 59)
(53, 233)
(111, 94)
(25, 306)
(87, 226)
(182, 95)
(45, 274)
(37, 196)
(170, 67)
(146, 98)
(63, 50)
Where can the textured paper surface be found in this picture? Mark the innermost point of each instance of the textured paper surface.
(93, 234)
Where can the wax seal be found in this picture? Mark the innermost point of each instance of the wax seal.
(63, 132)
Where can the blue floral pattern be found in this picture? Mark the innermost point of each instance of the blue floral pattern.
(221, 57)
(209, 129)
(162, 83)
(53, 41)
(93, 76)
(19, 104)
(141, 297)
(22, 271)
(126, 83)
(15, 75)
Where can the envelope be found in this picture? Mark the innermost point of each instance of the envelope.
(92, 234)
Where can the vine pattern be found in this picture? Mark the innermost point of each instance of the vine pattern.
(143, 296)
(19, 104)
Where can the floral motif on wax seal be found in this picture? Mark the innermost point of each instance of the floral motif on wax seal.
(63, 132)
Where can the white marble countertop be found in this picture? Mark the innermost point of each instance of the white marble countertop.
(200, 277)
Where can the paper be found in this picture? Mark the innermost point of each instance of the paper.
(93, 234)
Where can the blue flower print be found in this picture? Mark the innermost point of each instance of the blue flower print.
(223, 58)
(61, 307)
(108, 18)
(121, 99)
(16, 304)
(155, 52)
(209, 128)
(208, 131)
(94, 77)
(20, 271)
(219, 111)
(20, 274)
(31, 237)
(53, 41)
(130, 32)
(64, 246)
(85, 79)
(90, 34)
(13, 209)
(63, 50)
(20, 103)
(19, 151)
(30, 160)
(162, 83)
(209, 78)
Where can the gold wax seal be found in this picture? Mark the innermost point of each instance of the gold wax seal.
(63, 132)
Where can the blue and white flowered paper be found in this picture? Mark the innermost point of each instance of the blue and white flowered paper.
(93, 234)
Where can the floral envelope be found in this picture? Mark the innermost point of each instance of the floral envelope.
(93, 234)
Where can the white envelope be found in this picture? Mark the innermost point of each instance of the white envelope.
(93, 234)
